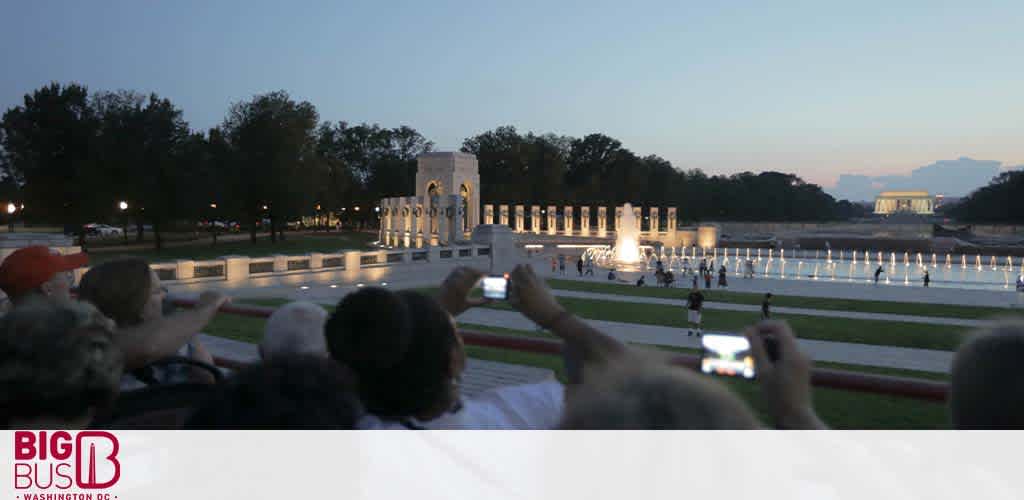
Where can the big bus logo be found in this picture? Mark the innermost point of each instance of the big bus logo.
(44, 460)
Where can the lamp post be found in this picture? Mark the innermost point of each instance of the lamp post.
(123, 205)
(11, 208)
(213, 222)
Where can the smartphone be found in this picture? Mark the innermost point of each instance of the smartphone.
(495, 287)
(727, 355)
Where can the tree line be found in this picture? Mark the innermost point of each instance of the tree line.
(71, 156)
(994, 203)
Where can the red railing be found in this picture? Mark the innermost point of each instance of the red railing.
(833, 379)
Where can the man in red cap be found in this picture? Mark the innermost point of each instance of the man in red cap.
(37, 270)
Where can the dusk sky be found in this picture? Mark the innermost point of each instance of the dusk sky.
(867, 88)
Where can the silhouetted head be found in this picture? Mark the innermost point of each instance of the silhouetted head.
(291, 392)
(987, 381)
(127, 291)
(403, 348)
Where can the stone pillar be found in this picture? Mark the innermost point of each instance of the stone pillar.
(185, 269)
(414, 240)
(458, 214)
(443, 222)
(316, 260)
(670, 222)
(488, 214)
(535, 219)
(280, 263)
(385, 234)
(503, 215)
(602, 222)
(353, 265)
(502, 241)
(654, 221)
(638, 218)
(520, 218)
(618, 219)
(567, 221)
(584, 221)
(236, 267)
(552, 219)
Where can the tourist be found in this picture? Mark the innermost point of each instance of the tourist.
(723, 281)
(1020, 282)
(640, 282)
(878, 272)
(296, 328)
(38, 271)
(554, 264)
(707, 279)
(694, 305)
(290, 392)
(749, 268)
(784, 376)
(659, 266)
(927, 278)
(611, 274)
(703, 266)
(986, 380)
(766, 307)
(128, 291)
(579, 266)
(58, 365)
(590, 267)
(640, 393)
(669, 279)
(561, 264)
(408, 356)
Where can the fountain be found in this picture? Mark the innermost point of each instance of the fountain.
(963, 261)
(949, 265)
(993, 263)
(977, 259)
(626, 252)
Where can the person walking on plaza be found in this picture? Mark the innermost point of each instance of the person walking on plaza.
(927, 278)
(590, 267)
(707, 279)
(561, 264)
(722, 279)
(694, 306)
(877, 273)
(554, 264)
(766, 307)
(579, 266)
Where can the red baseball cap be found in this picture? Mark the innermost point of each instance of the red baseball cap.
(28, 268)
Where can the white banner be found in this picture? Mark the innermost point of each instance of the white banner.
(473, 465)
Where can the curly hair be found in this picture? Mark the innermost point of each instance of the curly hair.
(57, 360)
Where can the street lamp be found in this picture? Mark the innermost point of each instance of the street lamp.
(123, 205)
(11, 208)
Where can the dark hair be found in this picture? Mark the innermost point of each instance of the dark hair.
(986, 383)
(119, 288)
(57, 360)
(768, 295)
(292, 392)
(400, 346)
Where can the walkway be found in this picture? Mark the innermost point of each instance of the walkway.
(828, 313)
(819, 350)
(480, 375)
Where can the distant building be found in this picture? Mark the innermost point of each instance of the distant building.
(915, 202)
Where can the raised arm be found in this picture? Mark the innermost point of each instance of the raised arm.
(145, 343)
(785, 376)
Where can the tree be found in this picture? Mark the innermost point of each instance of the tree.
(49, 146)
(273, 144)
(999, 201)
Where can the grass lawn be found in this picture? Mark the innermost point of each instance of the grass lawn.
(840, 409)
(294, 244)
(716, 295)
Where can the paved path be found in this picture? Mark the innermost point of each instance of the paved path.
(480, 375)
(930, 320)
(819, 350)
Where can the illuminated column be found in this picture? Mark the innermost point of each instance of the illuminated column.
(638, 217)
(567, 221)
(602, 221)
(503, 214)
(488, 214)
(415, 218)
(520, 218)
(670, 219)
(405, 226)
(457, 209)
(618, 219)
(535, 219)
(444, 221)
(654, 221)
(584, 221)
(552, 219)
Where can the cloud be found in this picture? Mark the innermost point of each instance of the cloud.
(948, 177)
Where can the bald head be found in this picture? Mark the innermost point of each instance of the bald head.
(987, 386)
(296, 328)
(649, 395)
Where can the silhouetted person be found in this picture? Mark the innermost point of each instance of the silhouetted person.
(640, 282)
(878, 272)
(579, 266)
(766, 307)
(927, 279)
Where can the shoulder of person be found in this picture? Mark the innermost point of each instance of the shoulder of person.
(528, 406)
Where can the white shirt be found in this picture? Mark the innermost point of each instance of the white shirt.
(528, 406)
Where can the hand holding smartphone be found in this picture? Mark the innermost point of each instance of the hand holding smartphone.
(727, 355)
